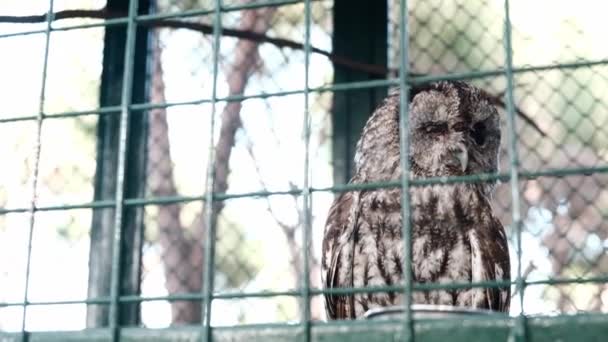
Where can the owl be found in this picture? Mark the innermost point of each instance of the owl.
(454, 130)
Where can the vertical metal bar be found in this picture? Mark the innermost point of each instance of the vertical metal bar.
(404, 147)
(127, 86)
(520, 326)
(306, 195)
(36, 168)
(209, 242)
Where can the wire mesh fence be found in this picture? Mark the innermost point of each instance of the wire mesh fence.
(182, 187)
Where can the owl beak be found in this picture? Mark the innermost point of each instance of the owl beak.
(462, 157)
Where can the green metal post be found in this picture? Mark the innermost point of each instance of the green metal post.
(404, 148)
(37, 151)
(306, 194)
(366, 43)
(520, 326)
(106, 175)
(209, 241)
(119, 213)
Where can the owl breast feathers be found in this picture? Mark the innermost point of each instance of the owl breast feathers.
(454, 131)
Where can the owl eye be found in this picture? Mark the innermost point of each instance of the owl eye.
(435, 127)
(459, 127)
(478, 133)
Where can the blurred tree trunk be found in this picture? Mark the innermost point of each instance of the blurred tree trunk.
(182, 252)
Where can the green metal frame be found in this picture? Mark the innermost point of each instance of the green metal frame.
(209, 248)
(586, 327)
(32, 208)
(108, 130)
(365, 44)
(591, 328)
(404, 148)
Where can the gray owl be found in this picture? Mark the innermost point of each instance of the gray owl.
(454, 131)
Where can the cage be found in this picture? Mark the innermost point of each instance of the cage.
(169, 165)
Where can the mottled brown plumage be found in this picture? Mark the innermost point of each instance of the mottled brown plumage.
(454, 131)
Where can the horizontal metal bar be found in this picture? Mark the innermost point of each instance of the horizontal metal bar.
(501, 72)
(314, 291)
(478, 178)
(103, 300)
(21, 33)
(234, 98)
(579, 327)
(172, 15)
(261, 4)
(99, 111)
(328, 88)
(90, 205)
(163, 200)
(157, 16)
(104, 23)
(223, 9)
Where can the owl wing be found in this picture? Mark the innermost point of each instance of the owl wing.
(490, 262)
(337, 254)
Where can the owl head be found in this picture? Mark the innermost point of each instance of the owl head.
(454, 130)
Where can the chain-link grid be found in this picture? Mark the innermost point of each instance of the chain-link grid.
(246, 259)
(64, 169)
(564, 225)
(258, 245)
